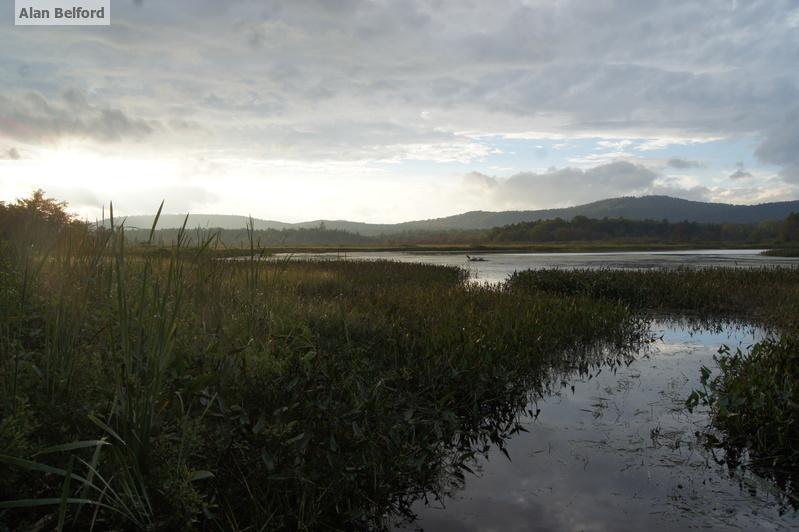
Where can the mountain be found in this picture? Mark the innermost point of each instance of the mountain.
(217, 221)
(633, 208)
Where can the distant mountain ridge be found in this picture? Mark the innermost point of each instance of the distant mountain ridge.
(633, 208)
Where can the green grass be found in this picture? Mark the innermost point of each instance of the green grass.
(768, 295)
(174, 390)
(755, 400)
(154, 388)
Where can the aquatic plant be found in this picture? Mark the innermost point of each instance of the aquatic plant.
(754, 402)
(768, 295)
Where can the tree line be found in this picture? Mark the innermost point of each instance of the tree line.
(45, 217)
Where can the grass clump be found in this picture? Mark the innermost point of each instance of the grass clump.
(769, 295)
(754, 402)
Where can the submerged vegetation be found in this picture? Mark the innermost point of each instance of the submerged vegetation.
(172, 389)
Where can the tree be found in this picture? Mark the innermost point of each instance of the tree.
(48, 209)
(790, 228)
(37, 214)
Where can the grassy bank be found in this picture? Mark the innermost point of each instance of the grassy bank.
(170, 389)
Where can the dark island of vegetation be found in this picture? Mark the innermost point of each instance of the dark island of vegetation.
(172, 390)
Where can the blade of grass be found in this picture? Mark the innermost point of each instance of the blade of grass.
(155, 222)
(72, 446)
(62, 507)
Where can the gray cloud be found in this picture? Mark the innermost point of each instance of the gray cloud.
(682, 164)
(781, 146)
(32, 117)
(740, 173)
(10, 153)
(503, 55)
(349, 80)
(567, 186)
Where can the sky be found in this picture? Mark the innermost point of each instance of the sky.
(386, 111)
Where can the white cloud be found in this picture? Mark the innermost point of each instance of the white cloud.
(561, 187)
(361, 82)
(684, 164)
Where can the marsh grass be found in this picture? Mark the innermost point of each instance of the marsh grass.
(166, 388)
(169, 389)
(768, 295)
(782, 252)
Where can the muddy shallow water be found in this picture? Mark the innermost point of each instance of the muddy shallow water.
(618, 451)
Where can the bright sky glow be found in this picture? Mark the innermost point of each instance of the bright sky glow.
(388, 111)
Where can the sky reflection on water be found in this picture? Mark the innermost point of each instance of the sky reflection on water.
(497, 266)
(617, 453)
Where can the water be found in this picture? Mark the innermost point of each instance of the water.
(497, 266)
(619, 452)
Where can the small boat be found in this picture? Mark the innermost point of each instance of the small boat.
(475, 259)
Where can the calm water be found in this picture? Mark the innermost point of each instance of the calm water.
(618, 452)
(497, 266)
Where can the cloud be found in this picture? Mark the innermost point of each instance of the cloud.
(31, 117)
(363, 81)
(76, 197)
(618, 145)
(572, 186)
(11, 154)
(781, 146)
(709, 69)
(560, 187)
(772, 191)
(683, 164)
(740, 173)
(695, 193)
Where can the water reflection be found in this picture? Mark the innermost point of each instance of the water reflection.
(615, 449)
(498, 266)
